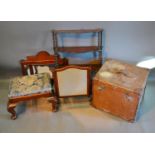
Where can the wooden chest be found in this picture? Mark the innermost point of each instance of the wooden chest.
(118, 88)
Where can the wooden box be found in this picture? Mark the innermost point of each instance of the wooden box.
(118, 88)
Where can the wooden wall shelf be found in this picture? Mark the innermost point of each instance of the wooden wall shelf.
(80, 49)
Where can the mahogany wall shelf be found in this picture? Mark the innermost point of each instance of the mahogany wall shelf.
(96, 64)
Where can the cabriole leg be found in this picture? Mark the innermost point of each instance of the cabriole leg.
(10, 108)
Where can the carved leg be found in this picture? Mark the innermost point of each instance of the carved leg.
(54, 102)
(11, 110)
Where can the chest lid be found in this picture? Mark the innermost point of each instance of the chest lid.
(123, 75)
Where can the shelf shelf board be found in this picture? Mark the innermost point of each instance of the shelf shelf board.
(79, 31)
(79, 49)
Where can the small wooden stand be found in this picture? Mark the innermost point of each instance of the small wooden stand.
(42, 58)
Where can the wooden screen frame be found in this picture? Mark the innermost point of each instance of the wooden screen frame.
(56, 85)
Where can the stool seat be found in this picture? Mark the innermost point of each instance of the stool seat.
(29, 84)
(27, 88)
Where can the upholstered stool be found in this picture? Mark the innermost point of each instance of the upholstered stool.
(29, 87)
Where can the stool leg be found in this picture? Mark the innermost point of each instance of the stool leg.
(11, 110)
(54, 102)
